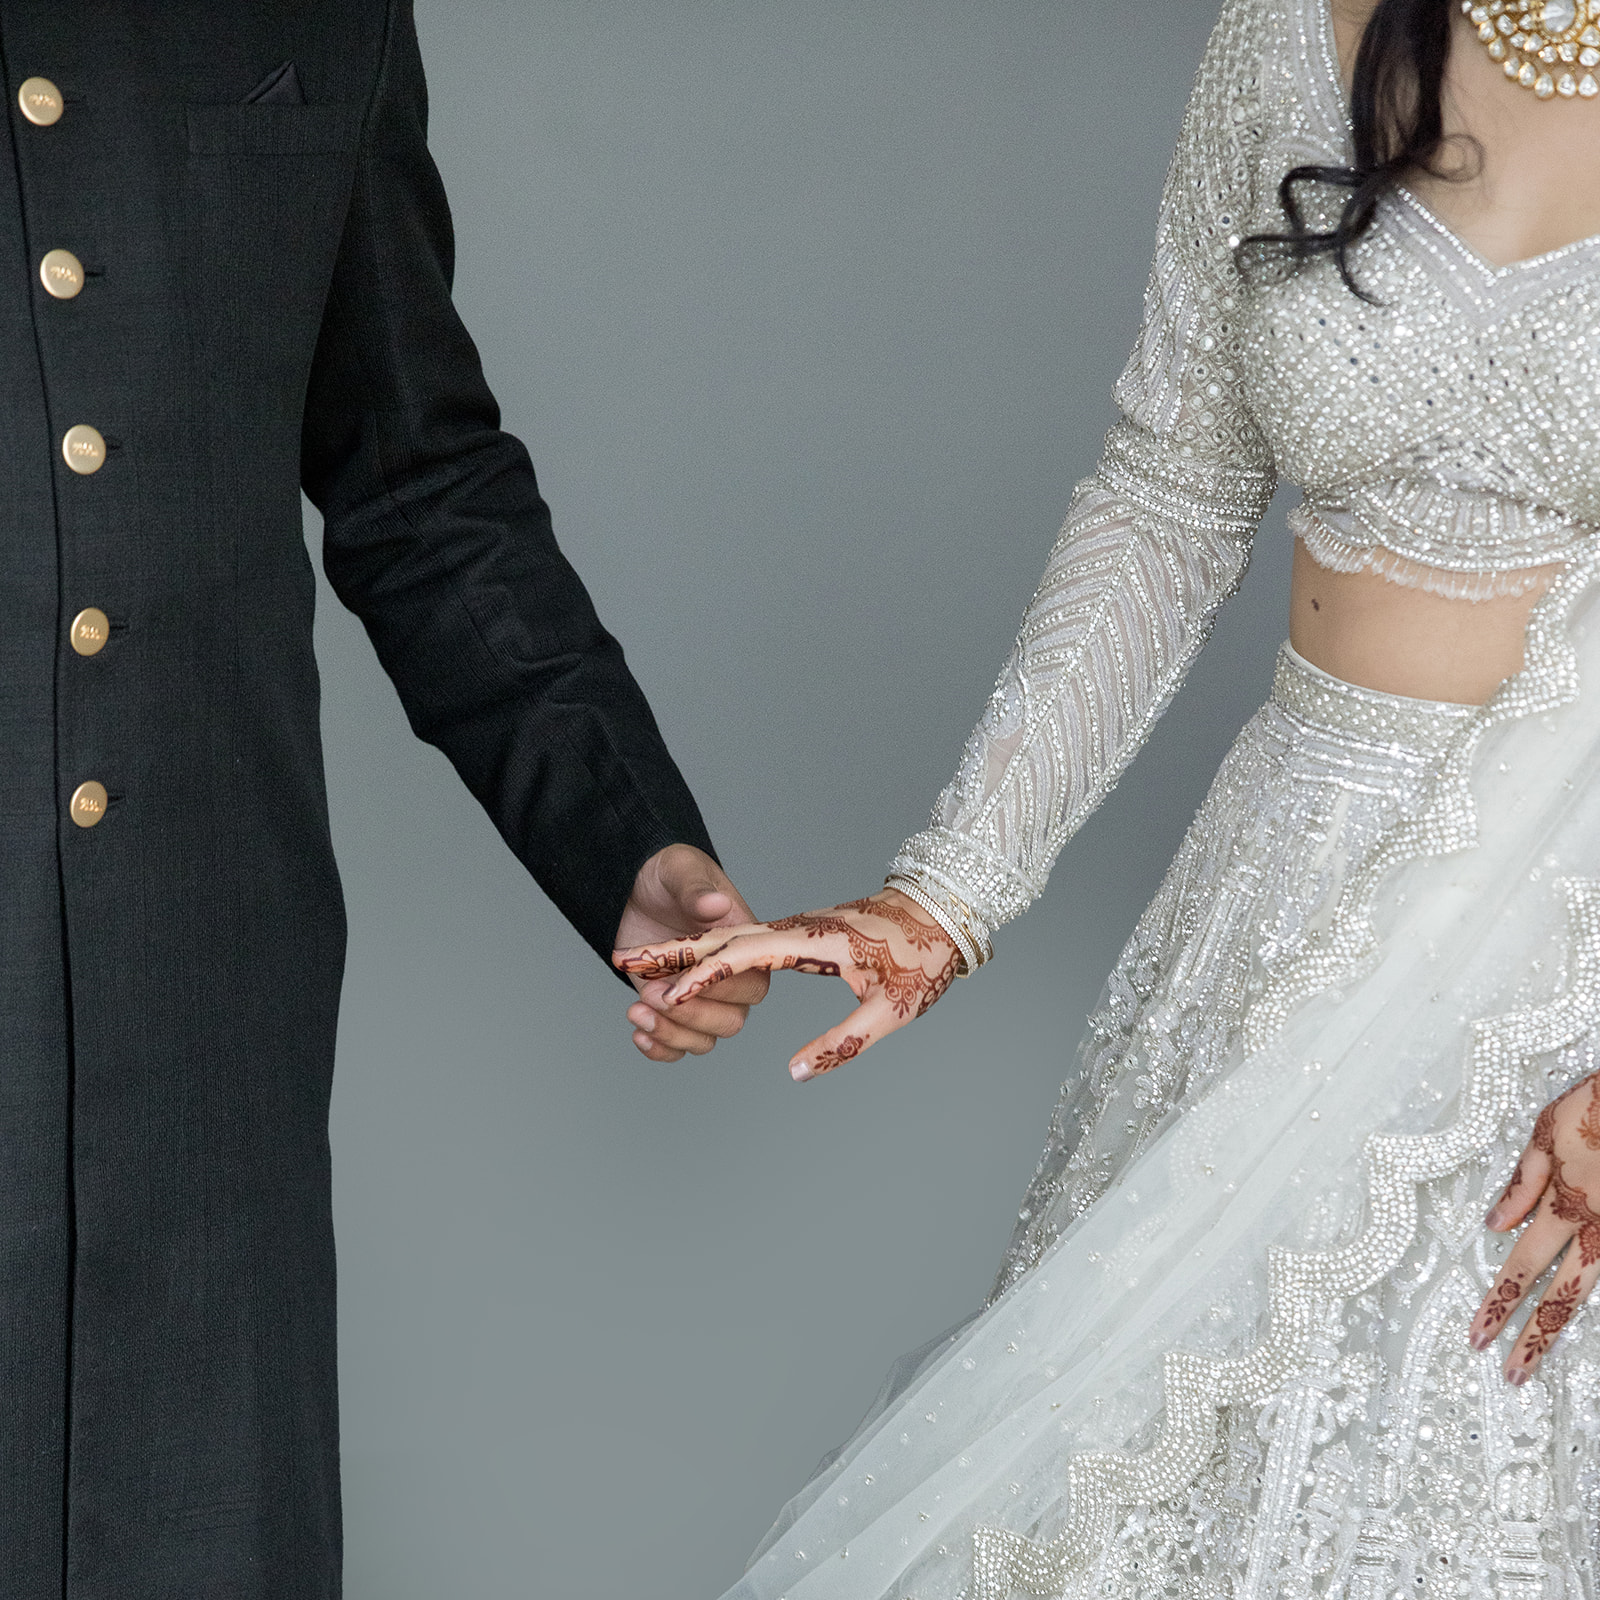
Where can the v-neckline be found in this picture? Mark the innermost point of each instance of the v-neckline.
(1329, 52)
(1546, 258)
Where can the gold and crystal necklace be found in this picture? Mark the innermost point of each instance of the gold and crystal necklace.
(1549, 46)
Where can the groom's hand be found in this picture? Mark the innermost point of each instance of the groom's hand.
(681, 892)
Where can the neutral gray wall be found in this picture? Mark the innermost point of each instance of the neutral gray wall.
(809, 313)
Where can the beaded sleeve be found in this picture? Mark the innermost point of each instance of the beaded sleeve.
(1155, 540)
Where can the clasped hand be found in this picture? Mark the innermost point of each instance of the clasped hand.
(1558, 1173)
(680, 892)
(895, 958)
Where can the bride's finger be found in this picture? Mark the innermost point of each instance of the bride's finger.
(863, 1027)
(1540, 1244)
(1567, 1291)
(761, 951)
(1522, 1192)
(668, 959)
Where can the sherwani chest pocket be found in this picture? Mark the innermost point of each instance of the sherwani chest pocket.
(267, 189)
(273, 130)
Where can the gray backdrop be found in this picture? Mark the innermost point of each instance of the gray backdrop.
(809, 312)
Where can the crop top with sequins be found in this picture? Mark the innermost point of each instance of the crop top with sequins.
(1446, 436)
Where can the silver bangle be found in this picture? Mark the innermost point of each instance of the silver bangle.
(951, 916)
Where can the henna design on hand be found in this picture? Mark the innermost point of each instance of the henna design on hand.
(937, 987)
(1567, 1200)
(1589, 1128)
(846, 1050)
(922, 935)
(657, 964)
(824, 969)
(818, 924)
(1501, 1303)
(905, 988)
(1554, 1313)
(1571, 1204)
(1544, 1129)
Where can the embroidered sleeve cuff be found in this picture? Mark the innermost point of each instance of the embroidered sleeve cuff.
(965, 884)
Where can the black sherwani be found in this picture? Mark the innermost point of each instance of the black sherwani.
(265, 304)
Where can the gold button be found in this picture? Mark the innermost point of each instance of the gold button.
(41, 102)
(90, 630)
(88, 804)
(84, 449)
(61, 273)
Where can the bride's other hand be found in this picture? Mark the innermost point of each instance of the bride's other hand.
(1560, 1174)
(895, 957)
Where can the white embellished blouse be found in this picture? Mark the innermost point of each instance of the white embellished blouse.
(1445, 433)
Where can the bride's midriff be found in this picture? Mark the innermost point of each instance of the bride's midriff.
(1367, 629)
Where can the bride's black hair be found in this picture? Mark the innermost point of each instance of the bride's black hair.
(1398, 125)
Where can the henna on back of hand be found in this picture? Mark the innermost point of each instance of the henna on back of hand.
(948, 975)
(910, 990)
(922, 935)
(1571, 1204)
(1589, 1128)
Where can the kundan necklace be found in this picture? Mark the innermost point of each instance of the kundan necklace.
(1549, 46)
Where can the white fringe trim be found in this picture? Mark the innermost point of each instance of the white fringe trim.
(1337, 555)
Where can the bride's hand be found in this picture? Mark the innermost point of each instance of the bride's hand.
(1560, 1173)
(895, 957)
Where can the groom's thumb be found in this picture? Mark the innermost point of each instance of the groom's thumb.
(696, 884)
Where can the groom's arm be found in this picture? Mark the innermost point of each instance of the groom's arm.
(437, 538)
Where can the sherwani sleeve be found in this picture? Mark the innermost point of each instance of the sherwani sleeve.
(437, 537)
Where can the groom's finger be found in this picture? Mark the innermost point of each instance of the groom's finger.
(663, 1033)
(652, 1049)
(716, 1018)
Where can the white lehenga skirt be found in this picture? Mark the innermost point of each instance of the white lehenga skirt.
(1227, 1351)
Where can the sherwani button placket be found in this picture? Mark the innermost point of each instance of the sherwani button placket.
(83, 447)
(85, 451)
